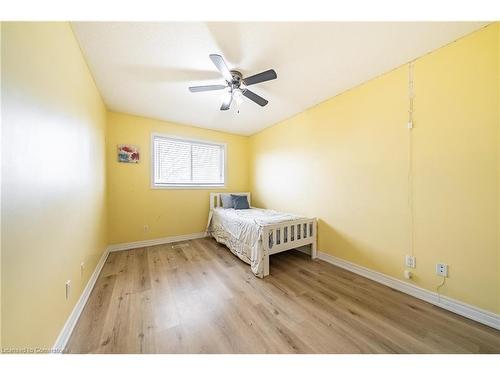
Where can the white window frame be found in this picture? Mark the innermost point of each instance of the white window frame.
(187, 186)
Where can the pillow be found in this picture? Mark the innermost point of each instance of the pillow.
(240, 202)
(227, 200)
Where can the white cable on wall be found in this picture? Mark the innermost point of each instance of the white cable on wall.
(411, 96)
(411, 203)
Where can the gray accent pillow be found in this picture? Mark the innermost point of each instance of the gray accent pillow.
(227, 200)
(240, 202)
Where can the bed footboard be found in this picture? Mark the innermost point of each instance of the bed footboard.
(288, 235)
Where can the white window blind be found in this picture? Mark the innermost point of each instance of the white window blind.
(183, 162)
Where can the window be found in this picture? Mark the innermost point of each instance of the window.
(181, 162)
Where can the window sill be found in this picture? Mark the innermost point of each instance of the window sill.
(188, 187)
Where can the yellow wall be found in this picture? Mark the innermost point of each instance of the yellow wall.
(132, 203)
(345, 161)
(53, 179)
(498, 159)
(0, 189)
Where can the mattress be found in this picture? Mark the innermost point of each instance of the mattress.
(241, 232)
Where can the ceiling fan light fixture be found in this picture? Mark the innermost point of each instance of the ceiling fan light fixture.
(236, 84)
(238, 96)
(226, 97)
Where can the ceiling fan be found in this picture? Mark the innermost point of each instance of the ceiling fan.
(236, 83)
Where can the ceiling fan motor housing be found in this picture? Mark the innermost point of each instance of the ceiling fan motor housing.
(234, 81)
(237, 79)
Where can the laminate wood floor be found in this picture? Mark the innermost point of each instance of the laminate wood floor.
(196, 297)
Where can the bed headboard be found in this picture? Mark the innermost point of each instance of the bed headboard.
(215, 200)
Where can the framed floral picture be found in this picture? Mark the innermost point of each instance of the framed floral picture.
(128, 154)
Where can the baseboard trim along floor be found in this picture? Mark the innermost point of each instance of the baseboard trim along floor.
(468, 311)
(68, 327)
(479, 315)
(155, 241)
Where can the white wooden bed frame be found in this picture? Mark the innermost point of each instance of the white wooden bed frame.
(304, 232)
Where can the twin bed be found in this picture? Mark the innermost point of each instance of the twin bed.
(254, 234)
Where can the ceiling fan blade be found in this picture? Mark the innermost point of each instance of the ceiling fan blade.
(206, 88)
(260, 77)
(227, 102)
(219, 63)
(255, 98)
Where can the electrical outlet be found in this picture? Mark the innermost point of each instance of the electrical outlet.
(442, 269)
(410, 261)
(68, 289)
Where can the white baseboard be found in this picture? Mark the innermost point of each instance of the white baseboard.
(475, 313)
(155, 241)
(65, 333)
(461, 308)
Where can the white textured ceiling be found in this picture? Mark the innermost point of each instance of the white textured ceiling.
(145, 68)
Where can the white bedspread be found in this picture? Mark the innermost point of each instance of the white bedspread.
(241, 232)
